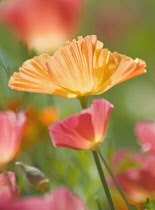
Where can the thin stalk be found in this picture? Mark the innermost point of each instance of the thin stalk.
(114, 179)
(83, 101)
(103, 180)
(98, 204)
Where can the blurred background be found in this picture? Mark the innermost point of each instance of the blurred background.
(125, 26)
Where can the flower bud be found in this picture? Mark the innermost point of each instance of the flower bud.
(35, 176)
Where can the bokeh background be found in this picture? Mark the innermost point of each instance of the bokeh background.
(125, 26)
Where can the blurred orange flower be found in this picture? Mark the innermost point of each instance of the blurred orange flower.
(121, 205)
(42, 24)
(82, 68)
(48, 115)
(38, 119)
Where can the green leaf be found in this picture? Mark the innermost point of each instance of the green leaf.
(149, 205)
(4, 65)
(133, 207)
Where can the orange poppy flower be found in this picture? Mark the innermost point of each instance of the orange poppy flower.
(48, 115)
(82, 68)
(121, 205)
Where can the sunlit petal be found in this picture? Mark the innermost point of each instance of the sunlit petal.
(82, 68)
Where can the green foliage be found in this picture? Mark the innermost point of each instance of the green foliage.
(149, 205)
(133, 207)
(5, 73)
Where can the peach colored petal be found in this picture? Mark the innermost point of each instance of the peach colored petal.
(118, 68)
(82, 68)
(33, 77)
(84, 130)
(71, 67)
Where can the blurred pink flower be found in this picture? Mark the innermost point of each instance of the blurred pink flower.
(5, 193)
(145, 132)
(42, 24)
(137, 177)
(113, 20)
(85, 130)
(60, 199)
(11, 127)
(124, 160)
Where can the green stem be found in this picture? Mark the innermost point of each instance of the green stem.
(114, 179)
(98, 204)
(83, 101)
(103, 180)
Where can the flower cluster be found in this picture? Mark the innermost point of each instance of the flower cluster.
(82, 68)
(51, 201)
(135, 171)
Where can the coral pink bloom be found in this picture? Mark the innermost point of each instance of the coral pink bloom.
(11, 127)
(145, 131)
(60, 199)
(5, 193)
(42, 24)
(85, 130)
(137, 177)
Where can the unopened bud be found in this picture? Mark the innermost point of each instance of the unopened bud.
(35, 176)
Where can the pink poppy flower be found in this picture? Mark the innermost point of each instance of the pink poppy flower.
(5, 193)
(136, 176)
(60, 199)
(85, 130)
(145, 132)
(43, 24)
(11, 127)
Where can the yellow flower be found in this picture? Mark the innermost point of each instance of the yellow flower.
(82, 68)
